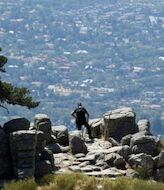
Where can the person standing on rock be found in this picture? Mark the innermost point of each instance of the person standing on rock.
(81, 116)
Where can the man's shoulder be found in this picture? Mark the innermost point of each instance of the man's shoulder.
(80, 109)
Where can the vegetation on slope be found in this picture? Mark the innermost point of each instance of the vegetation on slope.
(78, 181)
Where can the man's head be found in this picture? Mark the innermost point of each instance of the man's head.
(79, 104)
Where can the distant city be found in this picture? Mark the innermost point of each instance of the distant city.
(105, 54)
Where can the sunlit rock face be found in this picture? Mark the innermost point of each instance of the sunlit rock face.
(119, 122)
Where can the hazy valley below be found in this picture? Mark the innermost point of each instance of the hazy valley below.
(106, 54)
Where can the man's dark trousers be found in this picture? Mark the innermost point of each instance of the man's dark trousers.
(85, 123)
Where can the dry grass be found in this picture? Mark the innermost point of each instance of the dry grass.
(28, 184)
(162, 143)
(78, 181)
(130, 184)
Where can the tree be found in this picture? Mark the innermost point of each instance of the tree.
(14, 95)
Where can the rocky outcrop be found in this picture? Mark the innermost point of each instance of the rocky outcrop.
(23, 149)
(114, 159)
(42, 168)
(144, 144)
(44, 163)
(126, 140)
(61, 134)
(123, 151)
(159, 176)
(127, 149)
(143, 125)
(159, 160)
(5, 164)
(16, 125)
(97, 126)
(55, 148)
(118, 123)
(29, 156)
(143, 161)
(42, 123)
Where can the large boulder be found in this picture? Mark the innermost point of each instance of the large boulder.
(16, 125)
(40, 118)
(115, 159)
(126, 140)
(96, 127)
(61, 134)
(5, 164)
(23, 148)
(159, 175)
(145, 144)
(118, 123)
(77, 145)
(160, 160)
(119, 162)
(47, 154)
(55, 148)
(109, 158)
(42, 168)
(142, 160)
(124, 151)
(89, 158)
(42, 122)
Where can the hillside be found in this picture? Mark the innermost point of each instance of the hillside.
(103, 53)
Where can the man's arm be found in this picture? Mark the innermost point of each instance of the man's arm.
(74, 114)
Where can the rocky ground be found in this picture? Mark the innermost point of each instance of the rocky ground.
(94, 163)
(121, 147)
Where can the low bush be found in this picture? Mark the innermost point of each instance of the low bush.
(162, 144)
(28, 184)
(78, 181)
(130, 184)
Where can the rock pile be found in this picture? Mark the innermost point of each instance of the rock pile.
(116, 124)
(120, 147)
(23, 147)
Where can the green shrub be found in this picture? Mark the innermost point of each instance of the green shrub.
(46, 179)
(162, 144)
(123, 183)
(77, 181)
(89, 184)
(107, 184)
(142, 173)
(64, 181)
(119, 183)
(27, 184)
(139, 184)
